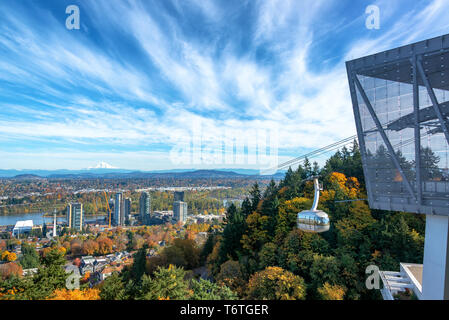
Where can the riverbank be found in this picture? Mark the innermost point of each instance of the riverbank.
(39, 218)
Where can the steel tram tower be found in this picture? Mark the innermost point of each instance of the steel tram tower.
(402, 95)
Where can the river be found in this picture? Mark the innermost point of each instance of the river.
(38, 219)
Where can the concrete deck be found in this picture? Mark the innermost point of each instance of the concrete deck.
(416, 270)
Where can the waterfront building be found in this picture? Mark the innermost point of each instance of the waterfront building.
(75, 216)
(22, 227)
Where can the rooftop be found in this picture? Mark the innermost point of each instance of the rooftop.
(24, 224)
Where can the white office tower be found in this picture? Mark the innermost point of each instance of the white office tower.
(118, 209)
(180, 211)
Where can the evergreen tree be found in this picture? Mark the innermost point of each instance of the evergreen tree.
(307, 168)
(230, 246)
(206, 290)
(247, 207)
(255, 196)
(30, 258)
(138, 267)
(167, 283)
(44, 230)
(112, 288)
(50, 275)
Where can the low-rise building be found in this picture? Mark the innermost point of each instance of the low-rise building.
(22, 227)
(107, 272)
(87, 265)
(99, 261)
(87, 260)
(31, 271)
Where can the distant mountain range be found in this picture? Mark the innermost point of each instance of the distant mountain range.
(112, 173)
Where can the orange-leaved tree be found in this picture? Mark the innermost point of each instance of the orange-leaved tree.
(66, 294)
(10, 269)
(11, 257)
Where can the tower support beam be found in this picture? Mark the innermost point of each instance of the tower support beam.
(436, 258)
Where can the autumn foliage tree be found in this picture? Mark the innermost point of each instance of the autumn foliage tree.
(104, 245)
(76, 247)
(332, 264)
(89, 247)
(77, 262)
(11, 257)
(275, 283)
(10, 269)
(5, 255)
(76, 294)
(231, 276)
(331, 292)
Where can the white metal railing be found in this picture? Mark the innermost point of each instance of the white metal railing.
(394, 282)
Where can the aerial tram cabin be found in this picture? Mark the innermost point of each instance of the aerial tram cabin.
(314, 220)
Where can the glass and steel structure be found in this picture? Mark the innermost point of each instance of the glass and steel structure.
(400, 100)
(75, 216)
(317, 221)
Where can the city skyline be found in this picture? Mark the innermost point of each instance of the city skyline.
(138, 75)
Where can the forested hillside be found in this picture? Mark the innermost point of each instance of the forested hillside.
(258, 253)
(261, 253)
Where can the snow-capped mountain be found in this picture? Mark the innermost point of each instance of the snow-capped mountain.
(102, 165)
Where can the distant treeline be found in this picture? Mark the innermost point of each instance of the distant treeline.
(198, 202)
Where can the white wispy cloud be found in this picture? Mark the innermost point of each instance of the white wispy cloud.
(79, 91)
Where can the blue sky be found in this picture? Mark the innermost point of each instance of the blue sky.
(140, 76)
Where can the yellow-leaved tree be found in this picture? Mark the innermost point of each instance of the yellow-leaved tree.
(11, 257)
(288, 212)
(275, 283)
(331, 292)
(5, 255)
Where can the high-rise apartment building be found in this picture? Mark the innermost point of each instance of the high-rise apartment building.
(178, 196)
(144, 207)
(118, 210)
(180, 211)
(75, 216)
(126, 210)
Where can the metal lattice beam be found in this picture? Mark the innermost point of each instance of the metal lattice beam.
(417, 130)
(360, 133)
(433, 98)
(384, 136)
